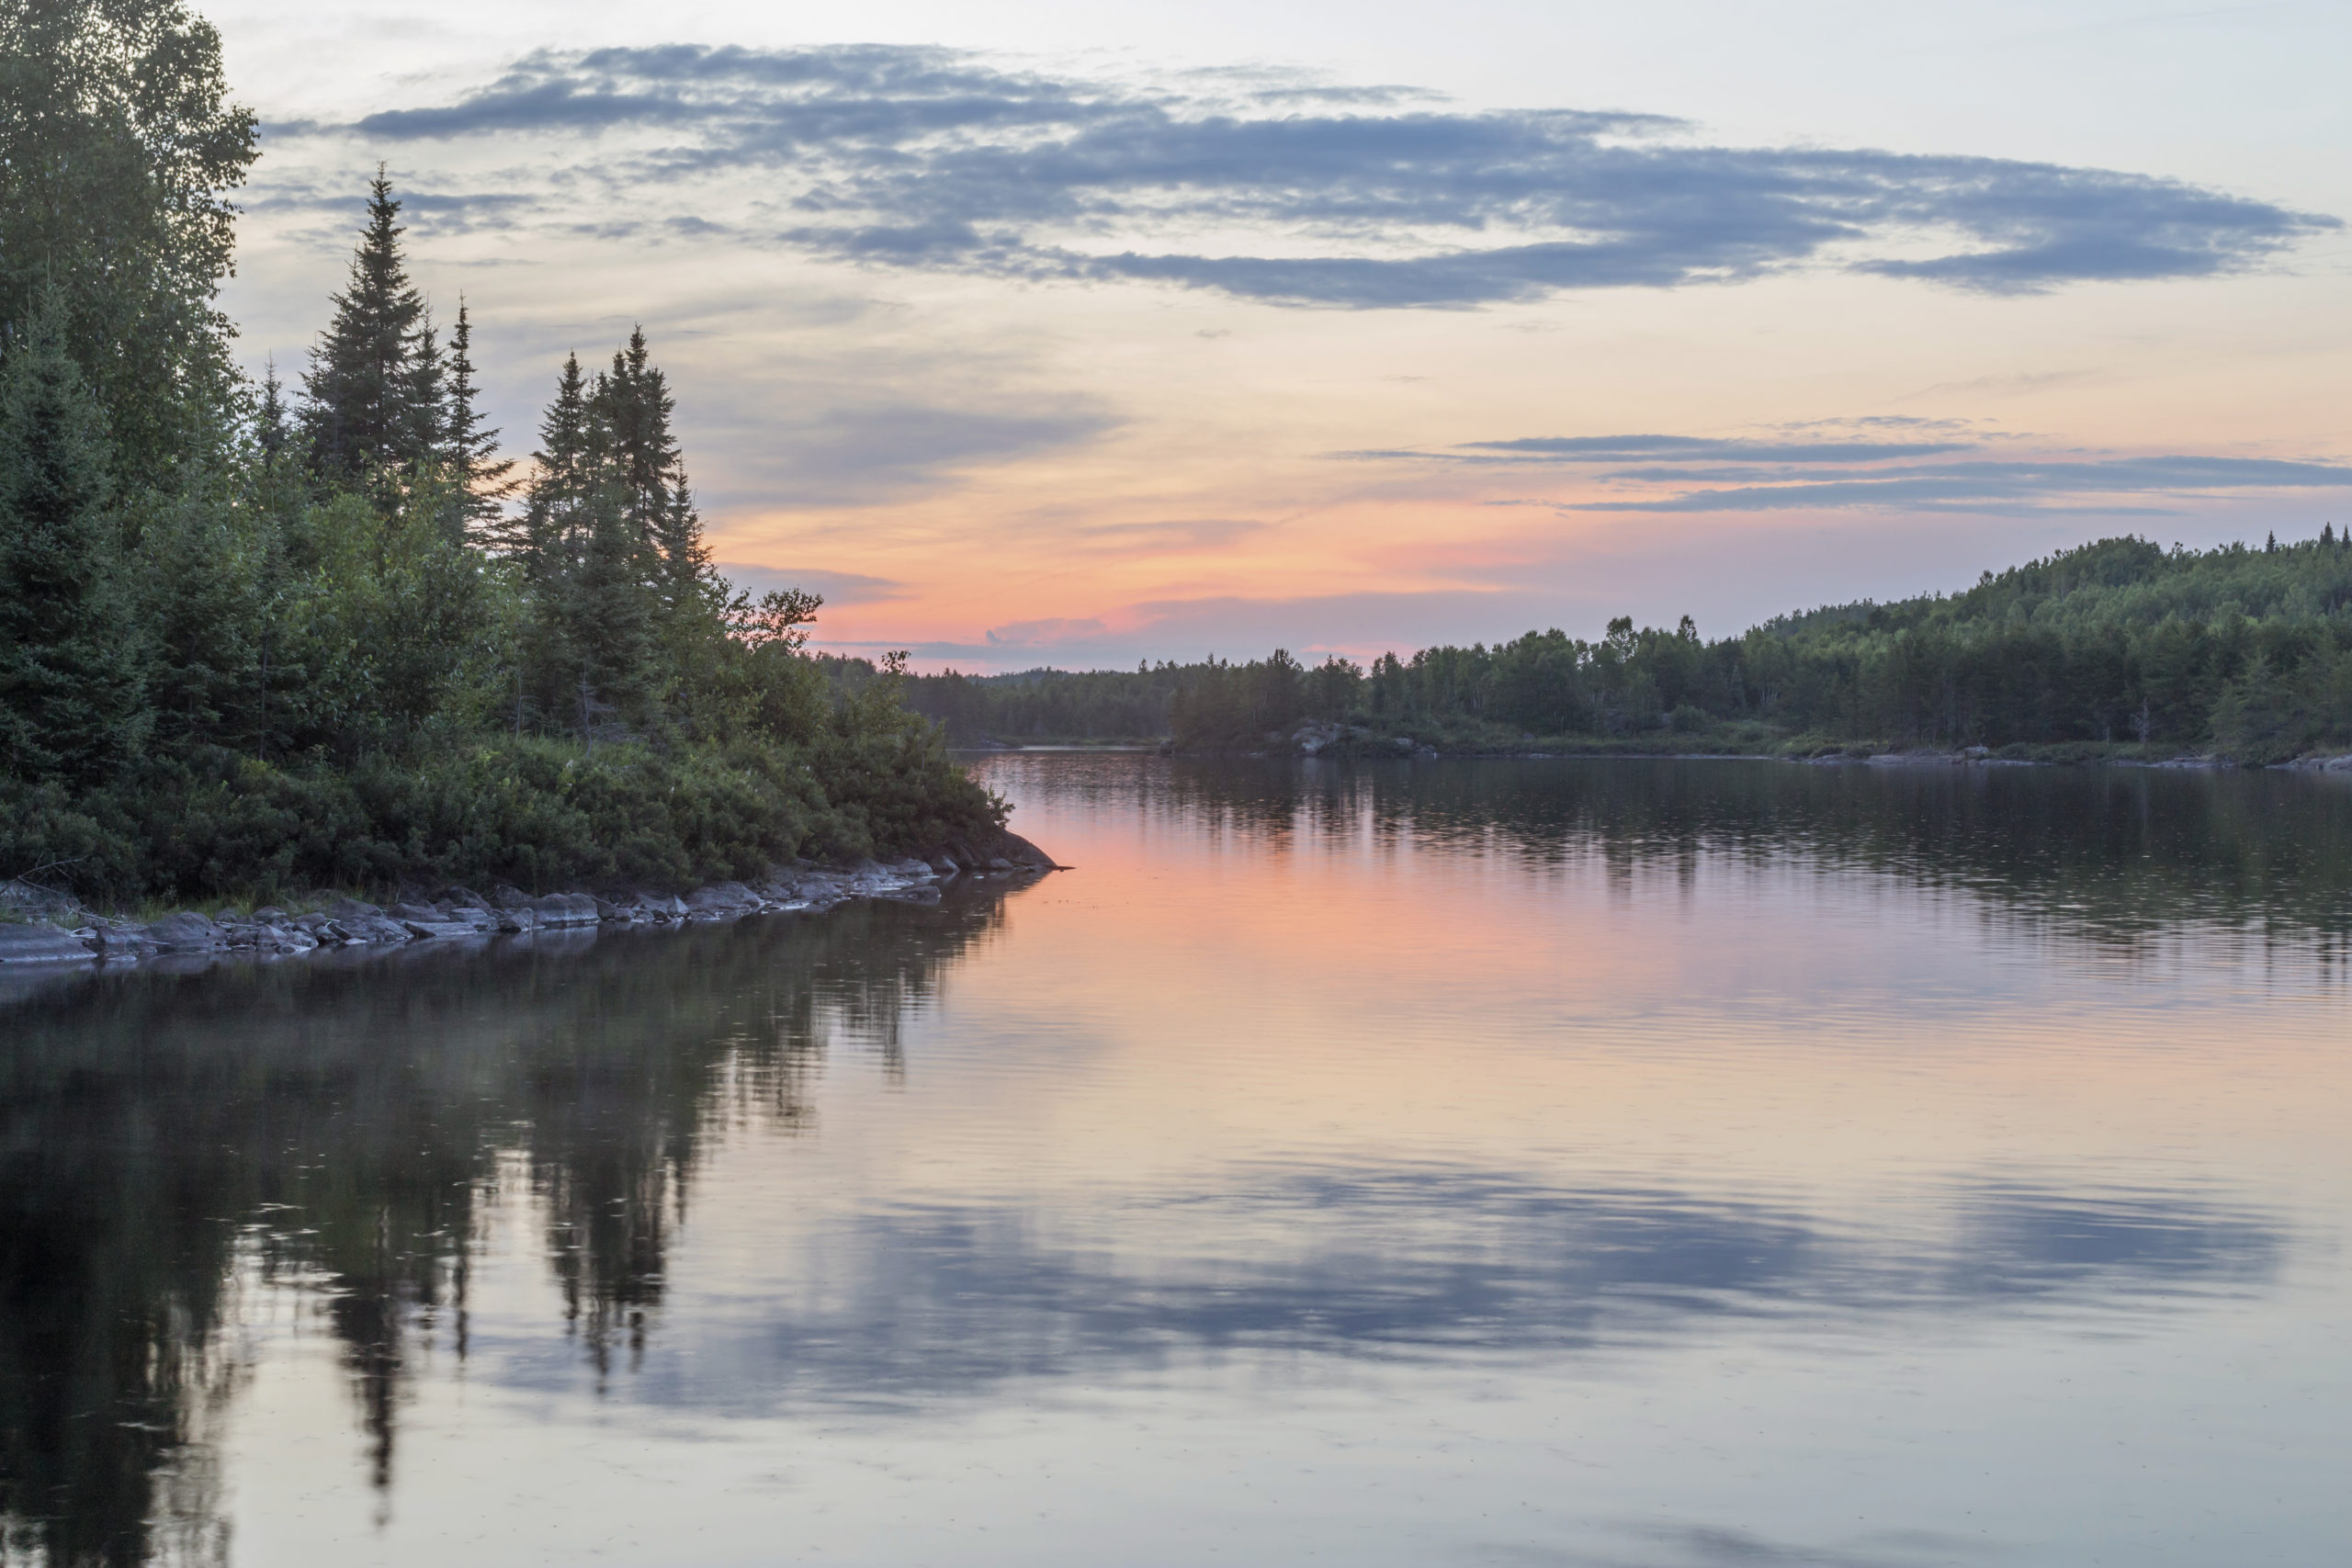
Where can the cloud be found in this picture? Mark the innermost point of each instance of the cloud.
(1747, 475)
(860, 453)
(1990, 486)
(1685, 448)
(838, 587)
(1043, 634)
(1177, 536)
(1357, 198)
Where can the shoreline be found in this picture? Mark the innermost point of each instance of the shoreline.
(455, 912)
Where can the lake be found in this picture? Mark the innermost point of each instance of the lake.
(1651, 1164)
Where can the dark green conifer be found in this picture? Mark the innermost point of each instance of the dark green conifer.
(270, 431)
(470, 446)
(563, 477)
(371, 397)
(71, 700)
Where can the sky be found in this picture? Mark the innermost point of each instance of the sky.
(1047, 333)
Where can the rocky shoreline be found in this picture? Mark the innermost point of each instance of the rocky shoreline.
(61, 932)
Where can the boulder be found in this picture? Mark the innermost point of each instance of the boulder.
(565, 909)
(38, 942)
(372, 930)
(721, 900)
(119, 942)
(353, 909)
(187, 931)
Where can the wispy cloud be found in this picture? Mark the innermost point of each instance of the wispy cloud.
(1709, 474)
(1361, 199)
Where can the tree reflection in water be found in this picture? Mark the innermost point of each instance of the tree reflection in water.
(345, 1124)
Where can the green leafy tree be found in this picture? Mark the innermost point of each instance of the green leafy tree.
(118, 149)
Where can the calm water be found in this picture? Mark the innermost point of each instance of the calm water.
(1585, 1164)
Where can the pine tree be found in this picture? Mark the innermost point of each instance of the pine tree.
(563, 477)
(471, 447)
(372, 392)
(270, 431)
(647, 465)
(607, 614)
(686, 571)
(72, 706)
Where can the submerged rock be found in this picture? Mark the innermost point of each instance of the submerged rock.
(38, 942)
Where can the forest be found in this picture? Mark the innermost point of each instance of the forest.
(2116, 649)
(257, 639)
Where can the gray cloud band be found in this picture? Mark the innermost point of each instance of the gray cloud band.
(1777, 475)
(930, 159)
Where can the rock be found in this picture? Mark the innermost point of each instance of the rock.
(119, 942)
(722, 900)
(353, 909)
(372, 930)
(565, 909)
(457, 898)
(942, 865)
(38, 942)
(507, 898)
(187, 931)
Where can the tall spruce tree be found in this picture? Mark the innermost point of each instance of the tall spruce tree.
(72, 707)
(372, 396)
(636, 405)
(563, 477)
(470, 446)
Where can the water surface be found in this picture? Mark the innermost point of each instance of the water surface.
(1568, 1163)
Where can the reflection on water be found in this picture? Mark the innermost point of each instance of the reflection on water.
(1433, 1086)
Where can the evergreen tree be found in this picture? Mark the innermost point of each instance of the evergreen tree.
(471, 447)
(606, 611)
(71, 703)
(563, 477)
(270, 431)
(634, 402)
(686, 571)
(372, 395)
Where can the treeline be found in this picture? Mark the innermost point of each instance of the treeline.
(2240, 651)
(251, 642)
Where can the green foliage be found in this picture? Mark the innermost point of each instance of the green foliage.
(372, 399)
(118, 150)
(70, 703)
(275, 675)
(2243, 651)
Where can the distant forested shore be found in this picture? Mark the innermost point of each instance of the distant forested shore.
(256, 639)
(2118, 648)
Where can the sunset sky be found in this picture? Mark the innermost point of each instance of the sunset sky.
(1057, 333)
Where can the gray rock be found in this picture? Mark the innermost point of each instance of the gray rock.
(38, 942)
(421, 929)
(721, 900)
(187, 931)
(120, 942)
(353, 909)
(565, 909)
(942, 865)
(369, 930)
